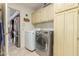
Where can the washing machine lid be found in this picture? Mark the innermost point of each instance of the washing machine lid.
(44, 29)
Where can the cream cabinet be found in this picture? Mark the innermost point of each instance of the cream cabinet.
(58, 34)
(70, 41)
(50, 13)
(43, 15)
(64, 6)
(65, 32)
(34, 18)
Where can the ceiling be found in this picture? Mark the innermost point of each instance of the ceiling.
(32, 6)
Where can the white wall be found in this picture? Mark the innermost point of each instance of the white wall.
(24, 26)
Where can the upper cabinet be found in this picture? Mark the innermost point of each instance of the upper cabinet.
(64, 6)
(43, 15)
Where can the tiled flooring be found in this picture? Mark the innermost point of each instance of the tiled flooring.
(14, 51)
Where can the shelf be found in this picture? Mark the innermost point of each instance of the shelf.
(43, 22)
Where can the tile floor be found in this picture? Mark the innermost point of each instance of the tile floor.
(14, 51)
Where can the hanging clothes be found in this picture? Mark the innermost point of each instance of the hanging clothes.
(0, 34)
(1, 39)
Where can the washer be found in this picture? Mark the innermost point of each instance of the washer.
(30, 40)
(44, 42)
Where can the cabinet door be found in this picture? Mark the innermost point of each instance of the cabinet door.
(58, 34)
(46, 13)
(70, 41)
(49, 12)
(37, 16)
(33, 18)
(43, 14)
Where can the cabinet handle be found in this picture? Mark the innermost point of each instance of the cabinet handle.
(0, 9)
(78, 38)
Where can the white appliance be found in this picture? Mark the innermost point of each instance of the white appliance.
(30, 40)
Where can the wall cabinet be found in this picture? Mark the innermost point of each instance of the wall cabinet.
(34, 18)
(65, 27)
(43, 15)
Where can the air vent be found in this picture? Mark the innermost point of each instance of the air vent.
(45, 4)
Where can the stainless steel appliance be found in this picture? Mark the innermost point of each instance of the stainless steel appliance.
(44, 42)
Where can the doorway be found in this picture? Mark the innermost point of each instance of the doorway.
(14, 27)
(15, 31)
